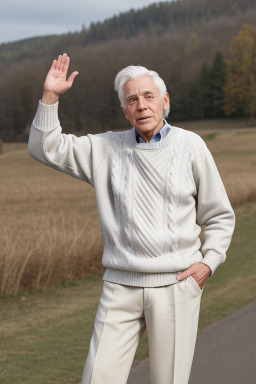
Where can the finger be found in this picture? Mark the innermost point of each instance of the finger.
(201, 282)
(71, 78)
(63, 61)
(58, 62)
(184, 275)
(53, 66)
(66, 64)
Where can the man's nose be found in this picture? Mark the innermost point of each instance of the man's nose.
(141, 104)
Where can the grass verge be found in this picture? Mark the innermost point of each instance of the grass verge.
(45, 334)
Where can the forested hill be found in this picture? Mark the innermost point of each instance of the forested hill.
(171, 17)
(183, 40)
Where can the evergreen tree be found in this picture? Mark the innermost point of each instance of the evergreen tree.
(207, 94)
(204, 108)
(218, 81)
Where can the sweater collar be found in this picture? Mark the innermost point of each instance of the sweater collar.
(170, 137)
(157, 137)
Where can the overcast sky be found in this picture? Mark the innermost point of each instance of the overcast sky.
(20, 19)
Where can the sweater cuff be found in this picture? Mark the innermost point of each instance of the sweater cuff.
(46, 118)
(213, 260)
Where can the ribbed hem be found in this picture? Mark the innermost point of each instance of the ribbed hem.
(213, 260)
(46, 118)
(139, 279)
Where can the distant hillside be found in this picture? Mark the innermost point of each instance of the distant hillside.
(174, 38)
(182, 16)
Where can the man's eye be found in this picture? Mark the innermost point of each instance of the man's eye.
(131, 100)
(149, 97)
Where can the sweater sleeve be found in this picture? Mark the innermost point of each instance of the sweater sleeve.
(213, 208)
(67, 153)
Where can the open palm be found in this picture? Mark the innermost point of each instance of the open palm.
(56, 80)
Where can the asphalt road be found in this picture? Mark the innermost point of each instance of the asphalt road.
(225, 352)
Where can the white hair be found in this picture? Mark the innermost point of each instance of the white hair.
(133, 71)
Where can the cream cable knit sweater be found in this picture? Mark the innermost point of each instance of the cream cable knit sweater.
(152, 198)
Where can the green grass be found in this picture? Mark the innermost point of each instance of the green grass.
(211, 136)
(45, 335)
(234, 283)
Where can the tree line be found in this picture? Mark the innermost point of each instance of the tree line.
(199, 60)
(211, 19)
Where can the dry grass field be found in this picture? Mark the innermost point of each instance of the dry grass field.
(49, 228)
(235, 155)
(48, 225)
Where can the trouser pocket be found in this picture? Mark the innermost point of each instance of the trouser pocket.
(195, 285)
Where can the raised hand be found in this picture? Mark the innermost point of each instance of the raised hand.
(56, 81)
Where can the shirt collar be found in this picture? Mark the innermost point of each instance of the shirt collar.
(157, 137)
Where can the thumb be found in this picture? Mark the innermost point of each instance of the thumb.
(71, 78)
(184, 275)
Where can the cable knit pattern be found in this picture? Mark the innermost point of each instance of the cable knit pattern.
(148, 206)
(115, 182)
(172, 206)
(189, 173)
(151, 197)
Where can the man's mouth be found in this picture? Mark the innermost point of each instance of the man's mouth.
(144, 118)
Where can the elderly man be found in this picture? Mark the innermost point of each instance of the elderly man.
(155, 185)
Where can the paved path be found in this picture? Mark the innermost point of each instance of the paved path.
(225, 352)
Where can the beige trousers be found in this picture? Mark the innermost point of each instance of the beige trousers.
(170, 315)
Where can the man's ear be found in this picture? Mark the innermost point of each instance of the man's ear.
(166, 101)
(124, 111)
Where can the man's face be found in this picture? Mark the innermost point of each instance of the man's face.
(144, 106)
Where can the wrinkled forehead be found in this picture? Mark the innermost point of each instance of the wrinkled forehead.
(140, 85)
